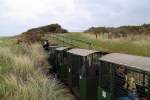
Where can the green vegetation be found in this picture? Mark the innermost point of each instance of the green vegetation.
(22, 66)
(6, 41)
(132, 44)
(121, 31)
(21, 74)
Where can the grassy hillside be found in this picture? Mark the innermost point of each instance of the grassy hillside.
(21, 74)
(35, 34)
(132, 44)
(121, 31)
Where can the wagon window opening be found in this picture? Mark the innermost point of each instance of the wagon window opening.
(60, 58)
(76, 64)
(69, 60)
(96, 63)
(141, 83)
(105, 76)
(66, 62)
(92, 66)
(83, 68)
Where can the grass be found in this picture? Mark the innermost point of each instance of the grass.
(21, 76)
(7, 41)
(132, 44)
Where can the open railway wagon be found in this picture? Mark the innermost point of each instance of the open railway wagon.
(61, 62)
(52, 48)
(52, 57)
(83, 72)
(124, 77)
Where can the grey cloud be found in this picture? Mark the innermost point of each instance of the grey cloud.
(81, 15)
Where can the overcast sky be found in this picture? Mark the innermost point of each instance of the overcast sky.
(17, 16)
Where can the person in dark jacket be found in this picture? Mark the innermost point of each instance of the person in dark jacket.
(46, 45)
(121, 91)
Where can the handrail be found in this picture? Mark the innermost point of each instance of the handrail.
(65, 42)
(77, 40)
(90, 45)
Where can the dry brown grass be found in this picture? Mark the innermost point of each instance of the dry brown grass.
(22, 79)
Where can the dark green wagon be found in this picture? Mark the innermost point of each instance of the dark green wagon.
(124, 76)
(61, 62)
(52, 57)
(52, 48)
(83, 72)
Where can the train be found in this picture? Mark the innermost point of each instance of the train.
(98, 75)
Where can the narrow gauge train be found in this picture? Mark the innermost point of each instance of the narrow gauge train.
(96, 75)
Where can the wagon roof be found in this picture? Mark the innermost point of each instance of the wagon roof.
(62, 48)
(81, 52)
(139, 62)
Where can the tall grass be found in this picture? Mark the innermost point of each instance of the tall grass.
(6, 60)
(21, 77)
